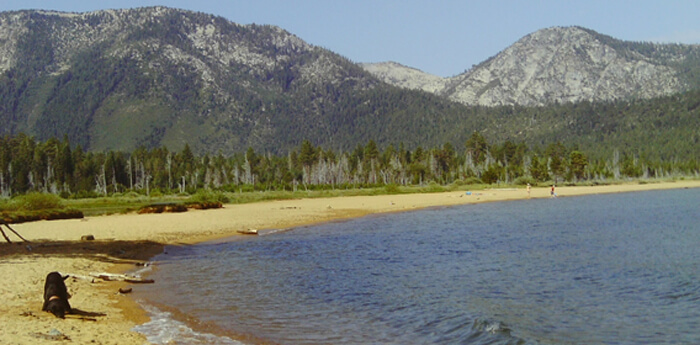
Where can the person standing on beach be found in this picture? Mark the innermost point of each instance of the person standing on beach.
(528, 191)
(552, 192)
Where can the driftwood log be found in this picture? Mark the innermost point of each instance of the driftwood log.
(121, 277)
(248, 232)
(2, 222)
(110, 277)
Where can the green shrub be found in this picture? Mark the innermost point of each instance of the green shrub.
(207, 196)
(85, 194)
(31, 216)
(392, 189)
(523, 180)
(38, 201)
(434, 187)
(156, 193)
(5, 204)
(472, 181)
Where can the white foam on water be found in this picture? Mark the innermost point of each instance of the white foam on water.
(146, 268)
(163, 329)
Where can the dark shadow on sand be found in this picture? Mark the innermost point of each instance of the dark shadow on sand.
(80, 312)
(103, 250)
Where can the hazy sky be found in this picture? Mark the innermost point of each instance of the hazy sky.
(439, 37)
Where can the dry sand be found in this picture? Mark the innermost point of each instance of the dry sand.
(106, 317)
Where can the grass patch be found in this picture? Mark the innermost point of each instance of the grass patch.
(36, 206)
(132, 202)
(119, 204)
(35, 202)
(31, 216)
(208, 196)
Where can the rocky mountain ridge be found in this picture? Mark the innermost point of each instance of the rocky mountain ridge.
(559, 65)
(160, 77)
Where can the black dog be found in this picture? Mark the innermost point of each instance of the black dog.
(56, 295)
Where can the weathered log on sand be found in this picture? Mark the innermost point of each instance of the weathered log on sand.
(248, 232)
(122, 277)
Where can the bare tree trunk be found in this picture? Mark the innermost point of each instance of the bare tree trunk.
(131, 176)
(170, 170)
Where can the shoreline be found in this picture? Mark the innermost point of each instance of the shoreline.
(132, 238)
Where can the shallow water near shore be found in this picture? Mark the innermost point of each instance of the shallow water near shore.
(605, 269)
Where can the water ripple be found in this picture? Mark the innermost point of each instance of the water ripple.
(609, 269)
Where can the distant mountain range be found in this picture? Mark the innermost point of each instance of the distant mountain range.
(559, 65)
(156, 76)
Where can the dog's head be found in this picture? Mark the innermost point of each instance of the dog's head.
(57, 307)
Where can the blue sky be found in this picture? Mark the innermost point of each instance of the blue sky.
(439, 37)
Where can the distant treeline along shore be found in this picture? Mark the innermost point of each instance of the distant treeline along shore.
(55, 166)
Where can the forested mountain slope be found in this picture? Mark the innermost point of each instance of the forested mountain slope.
(154, 77)
(159, 76)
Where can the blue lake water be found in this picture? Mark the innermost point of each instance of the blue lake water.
(601, 269)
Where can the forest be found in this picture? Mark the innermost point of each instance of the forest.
(55, 166)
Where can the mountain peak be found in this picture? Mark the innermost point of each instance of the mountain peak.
(563, 64)
(119, 79)
(560, 65)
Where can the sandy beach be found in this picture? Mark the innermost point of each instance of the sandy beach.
(121, 241)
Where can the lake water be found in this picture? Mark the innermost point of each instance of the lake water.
(602, 269)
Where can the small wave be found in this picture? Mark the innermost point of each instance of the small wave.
(266, 232)
(491, 327)
(144, 269)
(163, 329)
(495, 332)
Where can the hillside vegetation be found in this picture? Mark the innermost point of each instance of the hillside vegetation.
(160, 78)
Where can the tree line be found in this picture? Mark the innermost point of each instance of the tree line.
(55, 166)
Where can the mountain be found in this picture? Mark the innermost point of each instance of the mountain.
(120, 79)
(405, 77)
(567, 64)
(157, 76)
